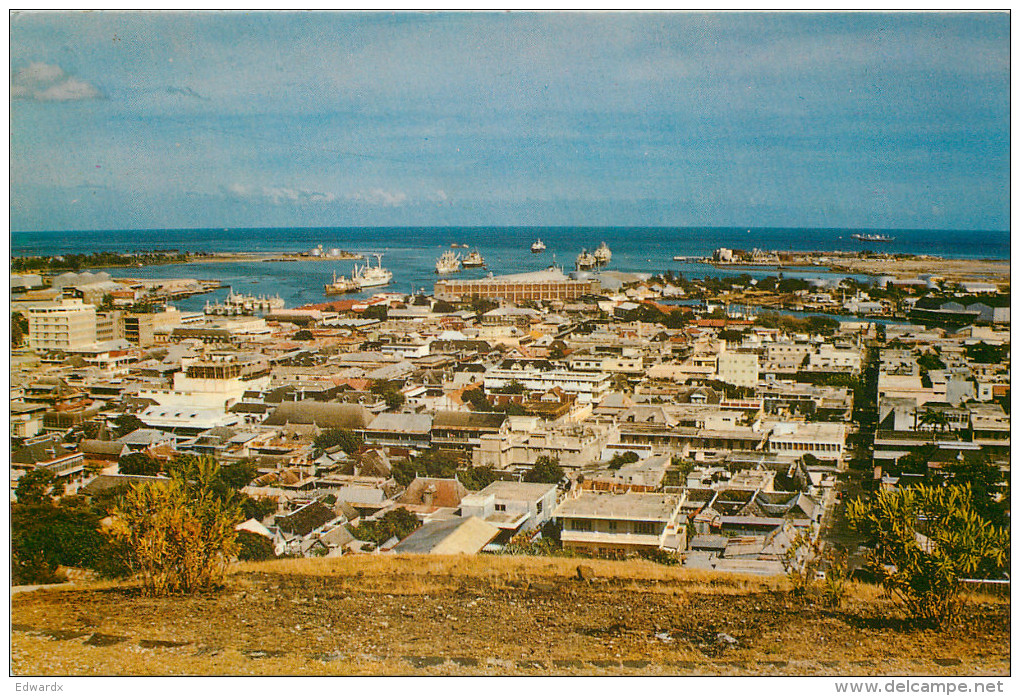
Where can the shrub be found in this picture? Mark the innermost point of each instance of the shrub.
(922, 541)
(619, 459)
(179, 534)
(45, 536)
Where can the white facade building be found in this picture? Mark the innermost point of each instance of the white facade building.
(68, 324)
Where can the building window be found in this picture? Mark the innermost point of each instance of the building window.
(581, 525)
(538, 507)
(645, 528)
(500, 507)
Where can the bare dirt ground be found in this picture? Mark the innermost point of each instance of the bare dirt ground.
(339, 617)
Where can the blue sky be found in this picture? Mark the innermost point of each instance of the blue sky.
(149, 120)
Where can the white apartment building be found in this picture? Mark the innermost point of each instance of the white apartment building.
(629, 363)
(829, 357)
(541, 376)
(67, 324)
(512, 505)
(612, 525)
(740, 369)
(823, 440)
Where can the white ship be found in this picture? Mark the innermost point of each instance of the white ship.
(603, 255)
(239, 304)
(538, 246)
(585, 260)
(340, 285)
(449, 262)
(473, 260)
(368, 276)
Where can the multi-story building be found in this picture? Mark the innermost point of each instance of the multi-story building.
(141, 329)
(825, 441)
(550, 284)
(614, 525)
(67, 324)
(542, 376)
(738, 368)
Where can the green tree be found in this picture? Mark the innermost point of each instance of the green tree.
(619, 459)
(922, 541)
(139, 464)
(379, 311)
(304, 335)
(38, 486)
(476, 398)
(987, 482)
(239, 474)
(546, 470)
(19, 329)
(126, 423)
(437, 463)
(986, 353)
(398, 522)
(475, 478)
(257, 508)
(512, 387)
(930, 361)
(254, 547)
(390, 392)
(348, 440)
(404, 471)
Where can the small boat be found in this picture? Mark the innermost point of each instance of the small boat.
(585, 261)
(473, 260)
(340, 285)
(538, 246)
(603, 255)
(449, 262)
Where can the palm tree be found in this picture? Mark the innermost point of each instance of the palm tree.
(936, 419)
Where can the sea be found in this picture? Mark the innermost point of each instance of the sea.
(411, 252)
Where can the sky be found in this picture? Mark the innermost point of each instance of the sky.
(132, 120)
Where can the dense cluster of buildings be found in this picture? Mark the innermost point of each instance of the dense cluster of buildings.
(720, 441)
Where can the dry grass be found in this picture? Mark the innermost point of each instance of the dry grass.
(503, 571)
(379, 610)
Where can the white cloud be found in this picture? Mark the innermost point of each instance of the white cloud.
(378, 196)
(280, 195)
(45, 82)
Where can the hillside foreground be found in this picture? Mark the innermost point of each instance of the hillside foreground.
(490, 615)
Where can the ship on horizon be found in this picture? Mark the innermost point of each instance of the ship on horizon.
(873, 237)
(538, 246)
